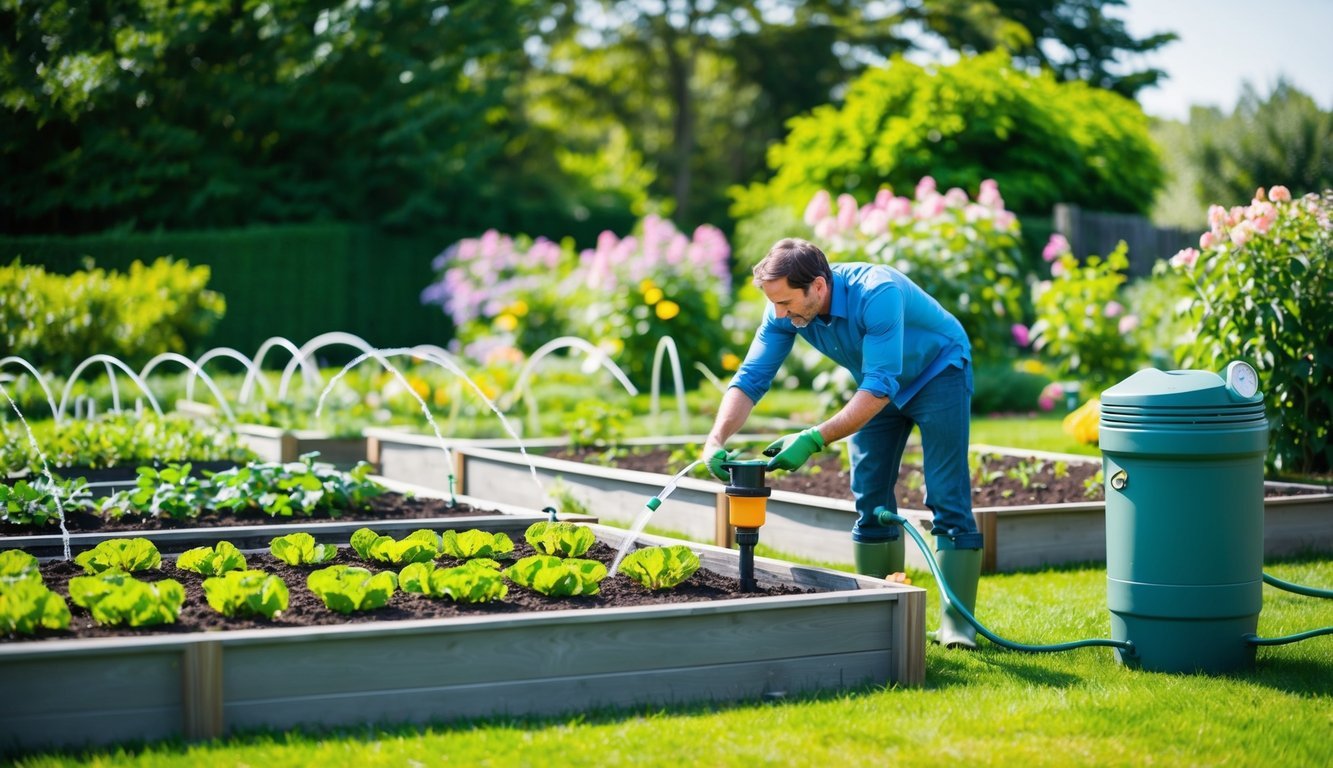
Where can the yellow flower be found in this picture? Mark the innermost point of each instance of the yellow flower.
(646, 285)
(506, 322)
(1031, 365)
(418, 385)
(652, 296)
(730, 362)
(440, 397)
(518, 308)
(667, 310)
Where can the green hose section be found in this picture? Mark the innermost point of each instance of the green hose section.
(1124, 645)
(1299, 589)
(453, 500)
(1256, 640)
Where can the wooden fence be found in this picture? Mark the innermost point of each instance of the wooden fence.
(1094, 232)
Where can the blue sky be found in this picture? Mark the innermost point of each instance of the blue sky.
(1224, 43)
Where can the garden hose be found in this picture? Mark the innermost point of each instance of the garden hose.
(1299, 589)
(1126, 647)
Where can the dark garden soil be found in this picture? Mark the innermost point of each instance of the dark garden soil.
(305, 609)
(999, 480)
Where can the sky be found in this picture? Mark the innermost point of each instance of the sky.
(1224, 43)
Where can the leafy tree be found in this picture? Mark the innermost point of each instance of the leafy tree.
(1282, 139)
(1043, 141)
(1075, 39)
(218, 113)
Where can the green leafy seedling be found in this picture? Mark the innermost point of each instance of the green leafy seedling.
(212, 561)
(557, 577)
(475, 543)
(560, 539)
(660, 567)
(416, 547)
(247, 592)
(463, 584)
(348, 589)
(115, 597)
(27, 605)
(17, 565)
(128, 555)
(300, 549)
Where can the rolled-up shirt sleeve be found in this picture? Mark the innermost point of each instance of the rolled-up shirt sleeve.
(772, 342)
(882, 345)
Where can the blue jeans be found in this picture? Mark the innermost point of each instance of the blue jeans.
(942, 411)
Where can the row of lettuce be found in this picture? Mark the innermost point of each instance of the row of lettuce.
(481, 572)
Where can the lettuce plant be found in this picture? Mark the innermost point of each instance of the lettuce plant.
(40, 502)
(347, 589)
(300, 549)
(246, 592)
(463, 584)
(212, 561)
(171, 492)
(26, 605)
(476, 543)
(17, 565)
(128, 555)
(560, 539)
(298, 487)
(557, 577)
(660, 567)
(114, 597)
(416, 547)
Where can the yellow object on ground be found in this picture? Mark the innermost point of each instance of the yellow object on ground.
(1081, 423)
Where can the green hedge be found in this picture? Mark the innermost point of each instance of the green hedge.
(293, 281)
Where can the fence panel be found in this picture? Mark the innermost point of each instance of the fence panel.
(1095, 232)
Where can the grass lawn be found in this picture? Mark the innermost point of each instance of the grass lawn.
(988, 708)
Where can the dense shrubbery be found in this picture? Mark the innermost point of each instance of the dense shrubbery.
(1044, 141)
(56, 321)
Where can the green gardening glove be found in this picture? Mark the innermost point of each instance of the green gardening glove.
(714, 463)
(792, 451)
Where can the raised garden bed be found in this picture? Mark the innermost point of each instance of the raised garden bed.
(1031, 527)
(810, 629)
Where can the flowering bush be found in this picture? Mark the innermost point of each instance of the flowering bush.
(1081, 327)
(624, 295)
(1261, 281)
(501, 291)
(657, 283)
(966, 254)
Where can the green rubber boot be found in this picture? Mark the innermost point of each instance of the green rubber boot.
(962, 570)
(879, 558)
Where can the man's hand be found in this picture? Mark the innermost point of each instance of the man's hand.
(791, 451)
(713, 457)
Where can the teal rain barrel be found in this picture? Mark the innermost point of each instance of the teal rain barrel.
(1183, 458)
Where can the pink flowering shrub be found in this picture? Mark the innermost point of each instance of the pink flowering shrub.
(654, 283)
(966, 253)
(1082, 329)
(624, 295)
(1262, 291)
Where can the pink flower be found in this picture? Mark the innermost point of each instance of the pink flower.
(900, 208)
(1241, 233)
(955, 198)
(1113, 309)
(1055, 247)
(1185, 258)
(1206, 240)
(1128, 323)
(847, 210)
(1049, 395)
(1217, 216)
(819, 207)
(882, 197)
(989, 194)
(1057, 268)
(1021, 334)
(925, 187)
(1279, 194)
(1005, 220)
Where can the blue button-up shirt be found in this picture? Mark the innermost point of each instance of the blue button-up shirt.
(891, 335)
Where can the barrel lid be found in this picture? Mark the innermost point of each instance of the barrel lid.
(1174, 389)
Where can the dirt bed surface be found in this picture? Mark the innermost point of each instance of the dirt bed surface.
(306, 609)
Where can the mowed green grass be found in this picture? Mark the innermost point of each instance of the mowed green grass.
(992, 707)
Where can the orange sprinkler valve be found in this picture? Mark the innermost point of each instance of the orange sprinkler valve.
(747, 500)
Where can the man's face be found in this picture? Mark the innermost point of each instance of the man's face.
(800, 306)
